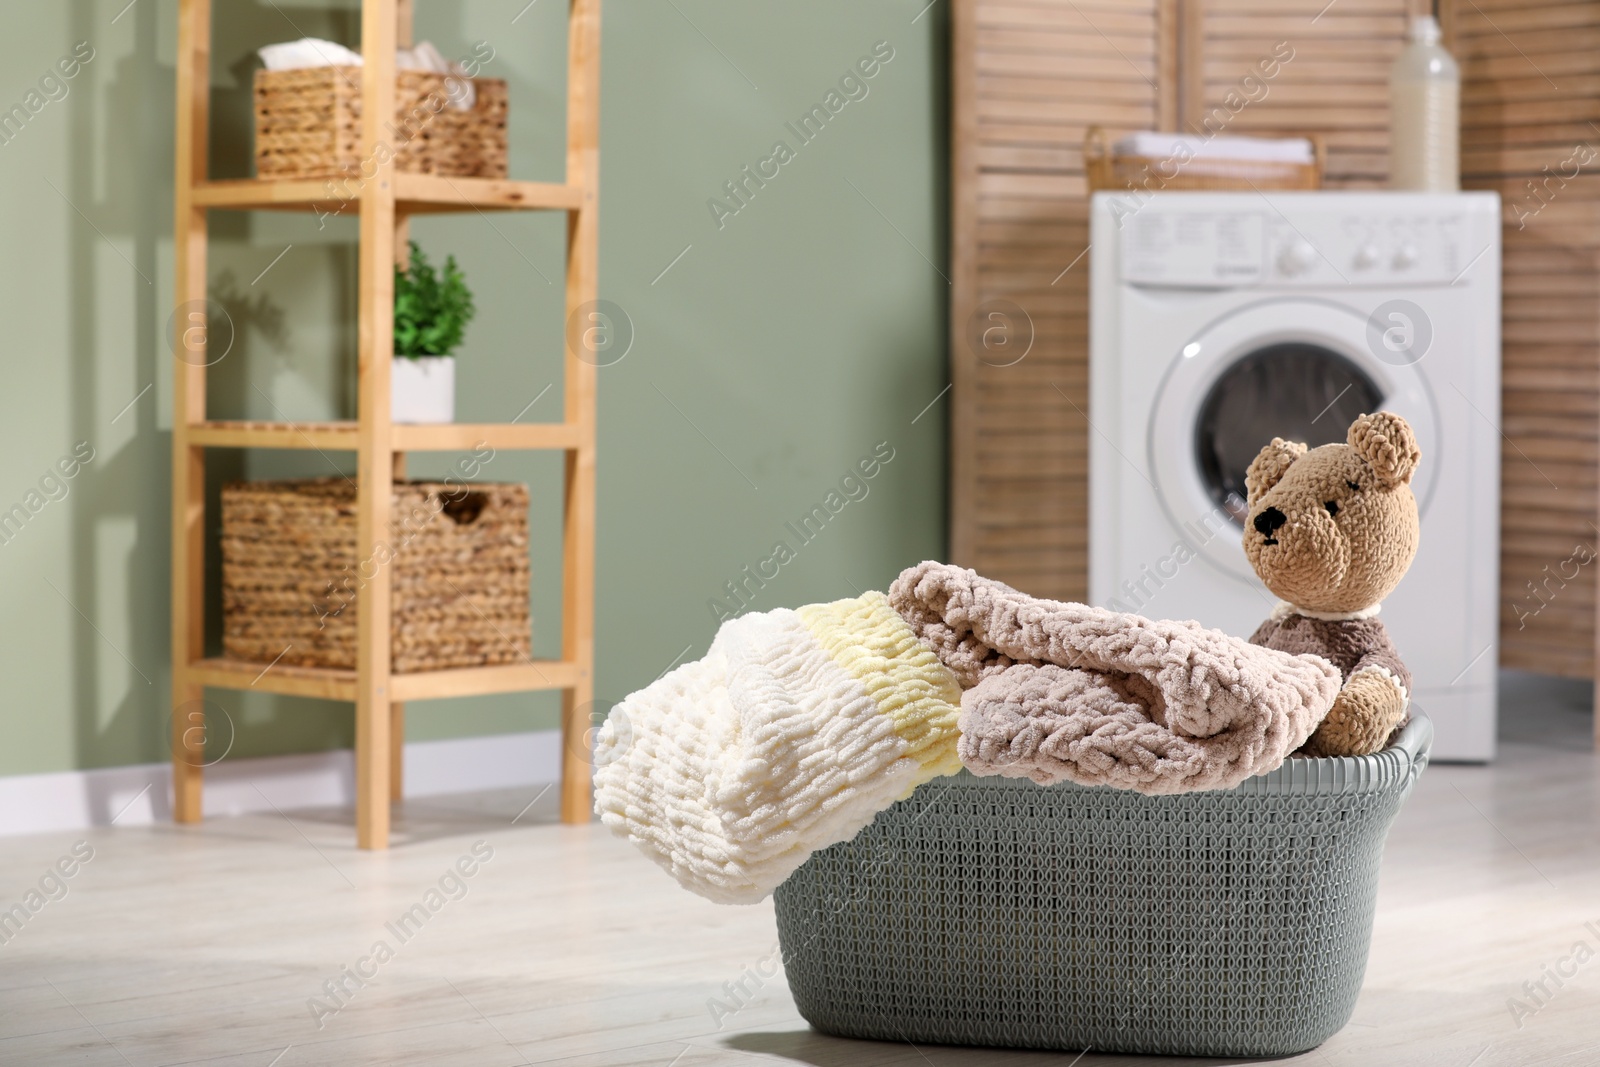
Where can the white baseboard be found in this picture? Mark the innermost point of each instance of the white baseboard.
(142, 793)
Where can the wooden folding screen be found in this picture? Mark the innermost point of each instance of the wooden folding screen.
(1530, 104)
(1030, 76)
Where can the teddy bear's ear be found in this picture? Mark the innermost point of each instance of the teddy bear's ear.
(1386, 442)
(1269, 466)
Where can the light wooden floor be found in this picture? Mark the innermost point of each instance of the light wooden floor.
(204, 945)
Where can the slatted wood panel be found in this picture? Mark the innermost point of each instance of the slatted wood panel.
(1334, 81)
(1030, 77)
(1530, 93)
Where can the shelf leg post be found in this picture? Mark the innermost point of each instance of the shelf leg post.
(397, 751)
(577, 615)
(397, 710)
(577, 632)
(189, 361)
(375, 454)
(188, 726)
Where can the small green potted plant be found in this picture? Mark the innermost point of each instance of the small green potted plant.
(431, 312)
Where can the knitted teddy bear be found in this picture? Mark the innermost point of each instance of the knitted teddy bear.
(1331, 531)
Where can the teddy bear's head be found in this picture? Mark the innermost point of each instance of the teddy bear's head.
(1333, 529)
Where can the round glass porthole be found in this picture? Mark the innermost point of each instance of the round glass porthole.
(1294, 390)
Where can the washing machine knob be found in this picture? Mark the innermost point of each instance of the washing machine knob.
(1297, 258)
(1406, 256)
(1367, 256)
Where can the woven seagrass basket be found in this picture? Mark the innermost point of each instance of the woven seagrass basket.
(459, 574)
(1107, 171)
(991, 911)
(308, 125)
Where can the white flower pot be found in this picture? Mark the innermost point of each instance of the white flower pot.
(423, 389)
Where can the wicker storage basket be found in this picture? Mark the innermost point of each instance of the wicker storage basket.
(308, 125)
(991, 911)
(459, 574)
(1105, 171)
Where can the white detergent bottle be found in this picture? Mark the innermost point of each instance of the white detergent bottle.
(1425, 113)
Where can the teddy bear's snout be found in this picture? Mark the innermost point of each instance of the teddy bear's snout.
(1268, 521)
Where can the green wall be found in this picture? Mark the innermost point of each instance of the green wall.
(789, 340)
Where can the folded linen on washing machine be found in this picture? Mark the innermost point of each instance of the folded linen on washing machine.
(1057, 691)
(1243, 149)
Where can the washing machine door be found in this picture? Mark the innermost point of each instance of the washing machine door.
(1297, 368)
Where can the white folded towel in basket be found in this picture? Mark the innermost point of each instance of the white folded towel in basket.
(315, 52)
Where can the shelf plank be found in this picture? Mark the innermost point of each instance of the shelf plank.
(329, 436)
(272, 194)
(419, 194)
(475, 681)
(323, 682)
(415, 194)
(345, 436)
(463, 437)
(333, 684)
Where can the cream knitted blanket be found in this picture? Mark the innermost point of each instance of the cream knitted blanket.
(1059, 691)
(790, 735)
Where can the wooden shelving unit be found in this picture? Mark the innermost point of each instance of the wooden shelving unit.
(384, 204)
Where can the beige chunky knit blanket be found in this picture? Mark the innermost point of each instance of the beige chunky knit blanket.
(1057, 691)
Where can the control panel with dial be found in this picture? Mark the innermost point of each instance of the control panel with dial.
(1255, 246)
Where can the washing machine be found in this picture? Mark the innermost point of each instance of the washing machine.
(1221, 320)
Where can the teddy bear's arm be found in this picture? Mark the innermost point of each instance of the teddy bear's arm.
(1364, 714)
(1371, 704)
(1380, 657)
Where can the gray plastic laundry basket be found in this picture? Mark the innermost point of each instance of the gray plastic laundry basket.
(991, 911)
